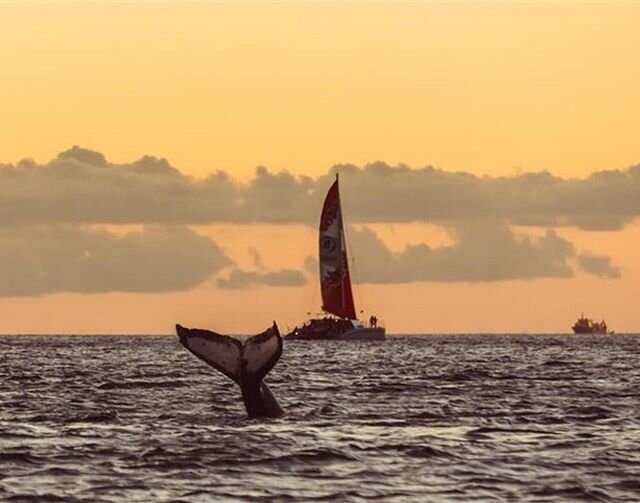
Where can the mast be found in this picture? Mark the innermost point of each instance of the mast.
(335, 281)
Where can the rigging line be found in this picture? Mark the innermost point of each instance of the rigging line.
(355, 272)
(313, 295)
(317, 279)
(353, 262)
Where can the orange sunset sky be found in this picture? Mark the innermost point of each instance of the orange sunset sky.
(165, 162)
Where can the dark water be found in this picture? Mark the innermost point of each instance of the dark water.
(434, 418)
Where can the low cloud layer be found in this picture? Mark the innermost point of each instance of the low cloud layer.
(598, 265)
(239, 279)
(52, 240)
(488, 251)
(82, 187)
(37, 260)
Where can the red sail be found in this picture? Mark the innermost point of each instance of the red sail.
(335, 282)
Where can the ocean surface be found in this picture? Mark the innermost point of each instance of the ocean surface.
(419, 418)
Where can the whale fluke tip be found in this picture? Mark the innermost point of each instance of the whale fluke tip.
(180, 332)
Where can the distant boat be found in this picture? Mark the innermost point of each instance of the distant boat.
(587, 326)
(340, 321)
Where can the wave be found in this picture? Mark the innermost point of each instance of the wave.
(140, 384)
(417, 419)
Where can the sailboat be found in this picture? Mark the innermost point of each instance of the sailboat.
(340, 321)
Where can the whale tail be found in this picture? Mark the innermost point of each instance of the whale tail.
(245, 364)
(260, 353)
(250, 361)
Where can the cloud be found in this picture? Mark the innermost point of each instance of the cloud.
(256, 257)
(48, 215)
(311, 264)
(486, 251)
(36, 260)
(598, 265)
(81, 187)
(604, 200)
(239, 279)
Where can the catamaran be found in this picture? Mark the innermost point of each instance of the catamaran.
(588, 326)
(340, 321)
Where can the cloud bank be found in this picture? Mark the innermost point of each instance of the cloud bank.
(598, 265)
(239, 279)
(51, 239)
(81, 187)
(486, 251)
(36, 260)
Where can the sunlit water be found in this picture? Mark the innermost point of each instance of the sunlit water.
(433, 418)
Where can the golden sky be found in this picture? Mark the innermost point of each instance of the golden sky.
(494, 89)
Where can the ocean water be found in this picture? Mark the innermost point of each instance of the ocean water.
(420, 418)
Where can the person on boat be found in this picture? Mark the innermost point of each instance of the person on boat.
(373, 321)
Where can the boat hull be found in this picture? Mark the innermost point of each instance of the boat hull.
(333, 331)
(363, 334)
(582, 330)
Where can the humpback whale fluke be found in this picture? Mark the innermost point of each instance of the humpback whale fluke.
(245, 364)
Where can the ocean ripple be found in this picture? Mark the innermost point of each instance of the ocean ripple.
(421, 418)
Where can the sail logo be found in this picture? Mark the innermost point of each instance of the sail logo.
(328, 244)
